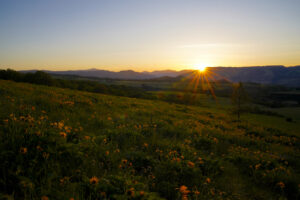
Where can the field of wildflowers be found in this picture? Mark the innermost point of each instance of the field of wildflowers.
(65, 144)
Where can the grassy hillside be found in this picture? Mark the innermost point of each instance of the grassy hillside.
(63, 144)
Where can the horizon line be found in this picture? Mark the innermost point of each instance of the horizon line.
(167, 69)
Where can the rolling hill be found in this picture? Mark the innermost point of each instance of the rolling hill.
(63, 144)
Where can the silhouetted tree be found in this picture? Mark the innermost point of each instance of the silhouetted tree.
(239, 99)
(10, 74)
(39, 77)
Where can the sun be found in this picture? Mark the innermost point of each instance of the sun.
(200, 67)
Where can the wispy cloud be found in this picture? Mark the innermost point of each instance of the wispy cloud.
(207, 45)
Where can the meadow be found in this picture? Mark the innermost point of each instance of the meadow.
(67, 144)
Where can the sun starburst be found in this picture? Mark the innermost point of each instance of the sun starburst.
(200, 67)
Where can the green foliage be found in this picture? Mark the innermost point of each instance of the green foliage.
(61, 144)
(43, 78)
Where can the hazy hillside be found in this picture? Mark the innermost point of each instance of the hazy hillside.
(128, 74)
(65, 144)
(279, 75)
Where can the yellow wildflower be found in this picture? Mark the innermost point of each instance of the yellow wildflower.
(63, 134)
(191, 164)
(94, 180)
(44, 198)
(208, 180)
(281, 184)
(23, 150)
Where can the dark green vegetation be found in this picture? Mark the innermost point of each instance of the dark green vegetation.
(42, 78)
(175, 90)
(60, 144)
(273, 96)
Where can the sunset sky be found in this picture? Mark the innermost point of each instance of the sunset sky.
(148, 34)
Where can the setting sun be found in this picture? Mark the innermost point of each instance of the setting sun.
(200, 67)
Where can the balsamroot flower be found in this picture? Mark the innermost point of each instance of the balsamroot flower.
(94, 180)
(23, 150)
(184, 192)
(208, 180)
(191, 164)
(281, 184)
(44, 198)
(63, 134)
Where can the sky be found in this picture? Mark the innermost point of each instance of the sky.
(148, 34)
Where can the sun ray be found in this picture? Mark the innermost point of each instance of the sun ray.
(201, 80)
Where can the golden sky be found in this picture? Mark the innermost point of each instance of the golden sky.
(148, 35)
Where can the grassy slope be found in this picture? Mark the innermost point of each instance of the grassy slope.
(53, 141)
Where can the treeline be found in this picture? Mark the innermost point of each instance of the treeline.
(258, 94)
(42, 78)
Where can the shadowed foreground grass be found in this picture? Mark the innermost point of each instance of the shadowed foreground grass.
(64, 144)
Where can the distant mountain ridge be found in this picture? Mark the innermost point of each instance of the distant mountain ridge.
(279, 75)
(125, 74)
